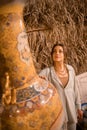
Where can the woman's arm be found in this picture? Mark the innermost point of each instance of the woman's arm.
(78, 101)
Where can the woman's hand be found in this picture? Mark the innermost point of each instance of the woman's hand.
(43, 77)
(79, 114)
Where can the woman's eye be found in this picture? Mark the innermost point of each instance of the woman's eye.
(60, 51)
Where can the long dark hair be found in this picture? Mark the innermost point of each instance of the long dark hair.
(64, 50)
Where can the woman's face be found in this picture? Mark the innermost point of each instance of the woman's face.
(58, 54)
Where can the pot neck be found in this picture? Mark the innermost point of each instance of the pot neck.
(4, 2)
(12, 7)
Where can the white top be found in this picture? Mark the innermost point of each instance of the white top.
(69, 95)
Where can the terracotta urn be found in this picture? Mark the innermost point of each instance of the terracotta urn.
(28, 101)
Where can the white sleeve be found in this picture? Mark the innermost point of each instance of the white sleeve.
(77, 95)
(44, 73)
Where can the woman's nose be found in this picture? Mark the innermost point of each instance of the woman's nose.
(57, 52)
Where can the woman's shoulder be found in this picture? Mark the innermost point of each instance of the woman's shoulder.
(45, 71)
(70, 67)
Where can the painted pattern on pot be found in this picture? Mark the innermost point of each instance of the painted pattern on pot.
(23, 47)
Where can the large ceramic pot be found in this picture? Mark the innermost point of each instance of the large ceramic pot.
(28, 102)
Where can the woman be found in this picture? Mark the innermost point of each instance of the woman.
(62, 76)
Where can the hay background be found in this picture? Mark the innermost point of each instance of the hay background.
(48, 21)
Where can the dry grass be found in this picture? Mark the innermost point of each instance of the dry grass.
(48, 21)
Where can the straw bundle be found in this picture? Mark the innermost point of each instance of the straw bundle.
(48, 21)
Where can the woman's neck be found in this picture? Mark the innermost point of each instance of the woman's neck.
(59, 66)
(61, 70)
